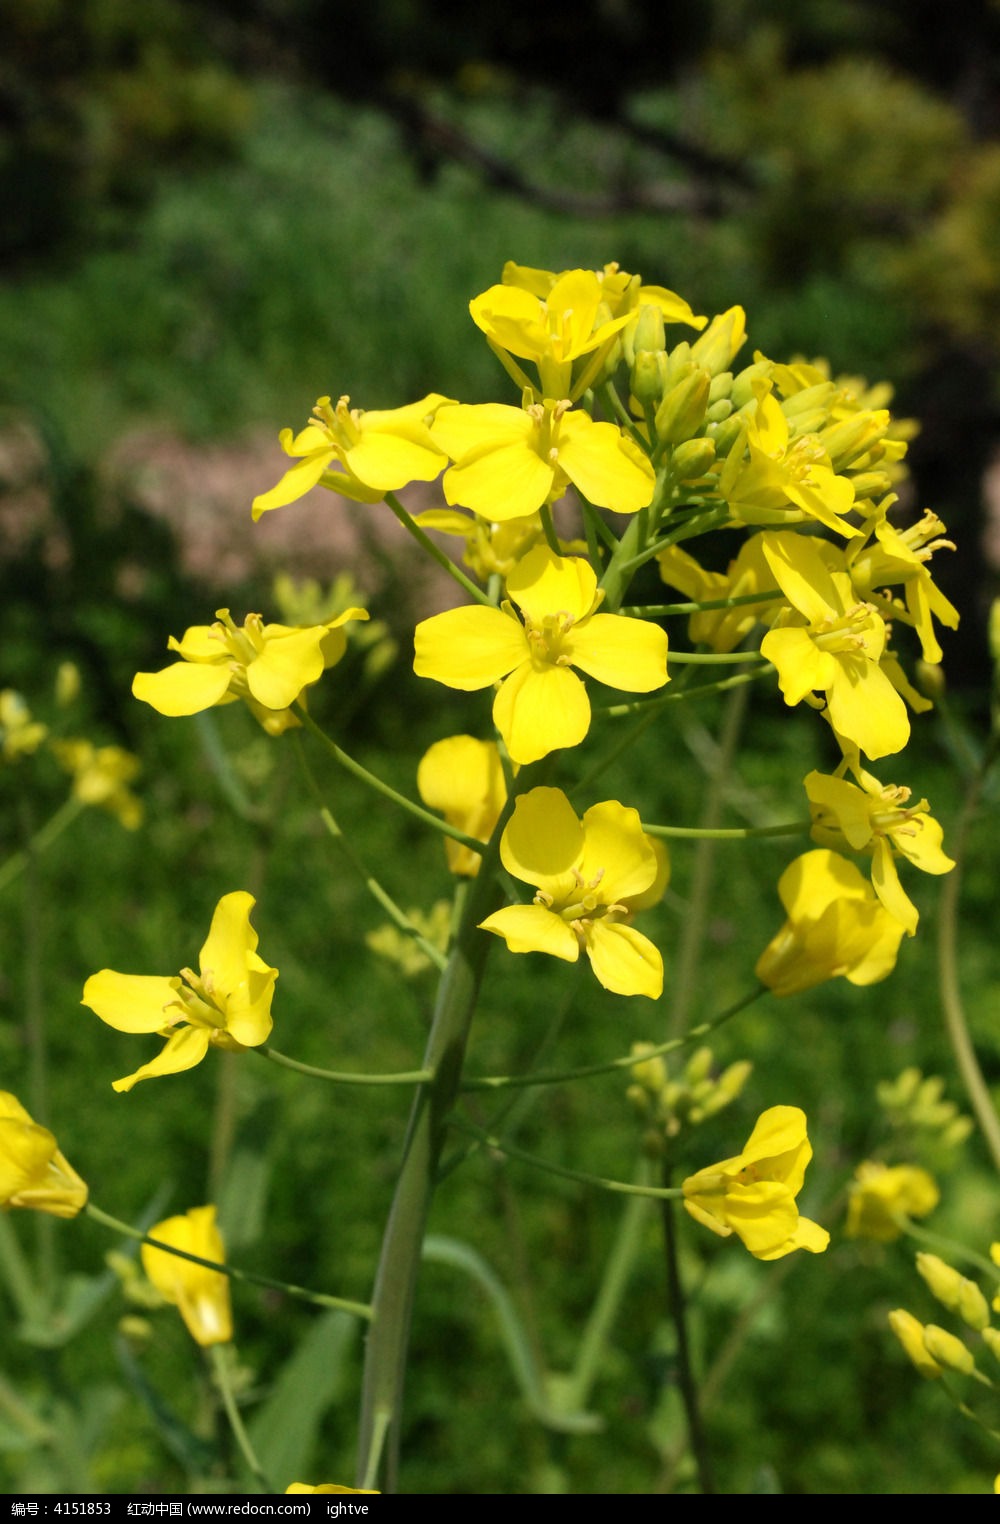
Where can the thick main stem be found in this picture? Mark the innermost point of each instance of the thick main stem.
(396, 1277)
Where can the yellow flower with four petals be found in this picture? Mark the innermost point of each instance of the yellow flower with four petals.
(542, 704)
(226, 1005)
(753, 1195)
(267, 665)
(588, 875)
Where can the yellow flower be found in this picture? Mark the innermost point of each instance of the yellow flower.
(830, 643)
(910, 1333)
(747, 573)
(33, 1173)
(835, 927)
(227, 1005)
(880, 1197)
(101, 775)
(463, 778)
(267, 665)
(586, 873)
(201, 1295)
(509, 461)
(901, 556)
(880, 820)
(359, 454)
(786, 479)
(331, 1487)
(20, 735)
(542, 705)
(754, 1194)
(491, 547)
(552, 322)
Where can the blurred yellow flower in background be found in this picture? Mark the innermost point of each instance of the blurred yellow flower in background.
(33, 1173)
(201, 1295)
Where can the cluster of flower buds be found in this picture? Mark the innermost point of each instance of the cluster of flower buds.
(669, 1104)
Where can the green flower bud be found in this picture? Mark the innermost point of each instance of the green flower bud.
(645, 333)
(721, 386)
(692, 459)
(742, 387)
(682, 411)
(649, 377)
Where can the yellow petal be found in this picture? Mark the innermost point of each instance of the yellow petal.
(802, 666)
(543, 584)
(597, 460)
(295, 483)
(131, 1002)
(182, 1050)
(465, 429)
(533, 928)
(890, 891)
(616, 848)
(541, 709)
(543, 841)
(384, 461)
(239, 982)
(630, 654)
(183, 688)
(625, 961)
(865, 707)
(288, 663)
(468, 648)
(501, 484)
(201, 1294)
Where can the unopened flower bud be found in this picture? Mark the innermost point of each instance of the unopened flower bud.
(742, 390)
(682, 411)
(947, 1351)
(649, 377)
(991, 1338)
(692, 459)
(910, 1333)
(721, 340)
(645, 334)
(954, 1291)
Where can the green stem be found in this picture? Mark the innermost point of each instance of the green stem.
(221, 1356)
(685, 1370)
(320, 1298)
(583, 1071)
(338, 1077)
(434, 551)
(375, 889)
(376, 783)
(660, 610)
(949, 984)
(947, 1247)
(399, 1261)
(713, 658)
(40, 841)
(699, 895)
(643, 706)
(611, 1294)
(727, 833)
(617, 1187)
